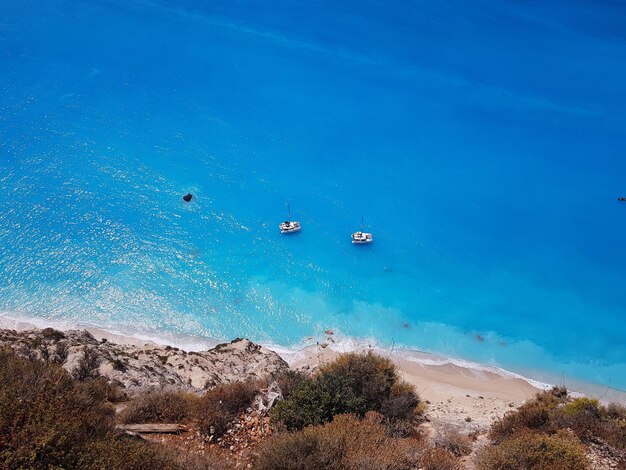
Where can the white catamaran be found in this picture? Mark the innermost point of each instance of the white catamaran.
(289, 226)
(361, 237)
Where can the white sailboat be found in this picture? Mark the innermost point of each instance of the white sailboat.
(361, 237)
(289, 226)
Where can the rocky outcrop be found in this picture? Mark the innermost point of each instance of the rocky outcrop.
(150, 366)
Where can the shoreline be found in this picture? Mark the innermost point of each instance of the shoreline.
(452, 387)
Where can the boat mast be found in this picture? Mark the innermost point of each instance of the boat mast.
(361, 222)
(288, 213)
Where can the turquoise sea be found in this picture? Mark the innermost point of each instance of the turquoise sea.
(484, 142)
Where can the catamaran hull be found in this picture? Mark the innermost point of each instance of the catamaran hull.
(289, 227)
(360, 238)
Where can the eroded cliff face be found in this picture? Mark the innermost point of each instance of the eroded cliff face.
(150, 366)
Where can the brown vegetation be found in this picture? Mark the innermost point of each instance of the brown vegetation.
(88, 365)
(45, 417)
(560, 451)
(550, 430)
(551, 411)
(289, 380)
(49, 420)
(220, 405)
(345, 443)
(455, 442)
(159, 407)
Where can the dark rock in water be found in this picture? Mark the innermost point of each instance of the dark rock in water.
(187, 197)
(621, 199)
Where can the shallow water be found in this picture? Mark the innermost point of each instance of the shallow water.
(483, 145)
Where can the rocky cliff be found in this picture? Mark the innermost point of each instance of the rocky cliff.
(150, 366)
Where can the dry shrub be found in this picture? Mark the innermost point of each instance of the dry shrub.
(49, 420)
(552, 411)
(401, 428)
(52, 334)
(46, 419)
(219, 406)
(616, 411)
(439, 459)
(88, 365)
(296, 451)
(614, 425)
(123, 453)
(365, 445)
(346, 443)
(61, 351)
(535, 415)
(561, 451)
(130, 454)
(582, 405)
(455, 442)
(159, 407)
(582, 415)
(591, 421)
(289, 380)
(115, 391)
(530, 415)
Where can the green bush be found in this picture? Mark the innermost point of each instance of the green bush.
(373, 377)
(317, 401)
(353, 383)
(561, 451)
(162, 407)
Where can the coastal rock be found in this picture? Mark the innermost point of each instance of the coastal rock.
(187, 197)
(265, 400)
(150, 366)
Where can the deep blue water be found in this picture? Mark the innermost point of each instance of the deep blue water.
(483, 142)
